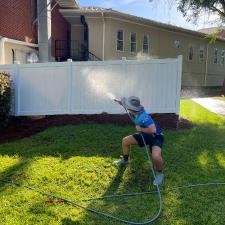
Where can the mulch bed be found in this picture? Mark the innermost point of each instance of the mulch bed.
(20, 127)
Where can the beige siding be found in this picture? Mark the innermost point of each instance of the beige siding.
(77, 37)
(19, 50)
(162, 46)
(95, 29)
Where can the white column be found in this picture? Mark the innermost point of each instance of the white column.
(2, 50)
(44, 30)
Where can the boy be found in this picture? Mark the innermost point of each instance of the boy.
(151, 133)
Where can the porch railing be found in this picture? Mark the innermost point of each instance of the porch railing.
(73, 50)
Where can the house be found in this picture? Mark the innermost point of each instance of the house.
(115, 35)
(28, 29)
(218, 31)
(61, 30)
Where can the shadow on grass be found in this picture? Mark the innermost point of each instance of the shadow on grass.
(79, 140)
(191, 157)
(13, 173)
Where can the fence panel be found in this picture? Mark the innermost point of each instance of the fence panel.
(88, 87)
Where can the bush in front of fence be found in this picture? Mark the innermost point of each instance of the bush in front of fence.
(5, 99)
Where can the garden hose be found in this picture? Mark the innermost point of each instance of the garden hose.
(107, 215)
(63, 200)
(156, 216)
(73, 203)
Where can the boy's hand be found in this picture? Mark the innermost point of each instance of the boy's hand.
(138, 128)
(118, 101)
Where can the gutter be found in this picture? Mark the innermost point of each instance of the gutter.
(67, 13)
(20, 42)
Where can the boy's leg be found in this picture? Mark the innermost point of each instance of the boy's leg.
(126, 146)
(157, 158)
(158, 163)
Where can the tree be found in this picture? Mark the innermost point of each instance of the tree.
(191, 9)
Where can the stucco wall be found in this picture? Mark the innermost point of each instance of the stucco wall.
(161, 46)
(20, 52)
(95, 26)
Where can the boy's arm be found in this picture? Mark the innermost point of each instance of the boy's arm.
(149, 129)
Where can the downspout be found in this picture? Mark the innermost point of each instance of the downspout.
(103, 37)
(13, 56)
(2, 50)
(206, 64)
(86, 37)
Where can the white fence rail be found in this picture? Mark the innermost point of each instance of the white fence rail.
(85, 87)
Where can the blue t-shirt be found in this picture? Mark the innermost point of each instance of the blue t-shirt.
(144, 120)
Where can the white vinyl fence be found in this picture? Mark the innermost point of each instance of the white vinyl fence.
(86, 87)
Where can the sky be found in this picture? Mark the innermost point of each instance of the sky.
(164, 11)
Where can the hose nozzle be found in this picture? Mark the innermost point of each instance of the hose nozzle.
(116, 100)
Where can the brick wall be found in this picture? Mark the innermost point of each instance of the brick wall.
(60, 28)
(16, 18)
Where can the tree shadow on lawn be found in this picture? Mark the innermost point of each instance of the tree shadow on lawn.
(191, 156)
(134, 178)
(12, 173)
(68, 141)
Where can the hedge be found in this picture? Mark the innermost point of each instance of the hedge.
(5, 99)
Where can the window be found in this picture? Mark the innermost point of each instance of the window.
(190, 53)
(133, 42)
(201, 54)
(119, 40)
(146, 44)
(215, 56)
(222, 60)
(177, 44)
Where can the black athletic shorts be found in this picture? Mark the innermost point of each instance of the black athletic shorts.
(150, 139)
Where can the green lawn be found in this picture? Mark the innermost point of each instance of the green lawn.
(75, 162)
(220, 98)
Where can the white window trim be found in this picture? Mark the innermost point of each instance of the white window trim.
(133, 42)
(117, 39)
(201, 48)
(222, 56)
(191, 45)
(176, 41)
(148, 37)
(217, 56)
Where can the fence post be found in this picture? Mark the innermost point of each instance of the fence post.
(178, 82)
(17, 92)
(69, 74)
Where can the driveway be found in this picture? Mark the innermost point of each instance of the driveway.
(212, 104)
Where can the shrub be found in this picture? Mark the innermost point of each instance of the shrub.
(5, 99)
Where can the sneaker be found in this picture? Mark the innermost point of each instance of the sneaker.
(120, 162)
(159, 177)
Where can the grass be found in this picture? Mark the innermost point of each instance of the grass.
(220, 98)
(76, 162)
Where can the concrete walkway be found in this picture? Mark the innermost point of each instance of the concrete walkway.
(212, 104)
